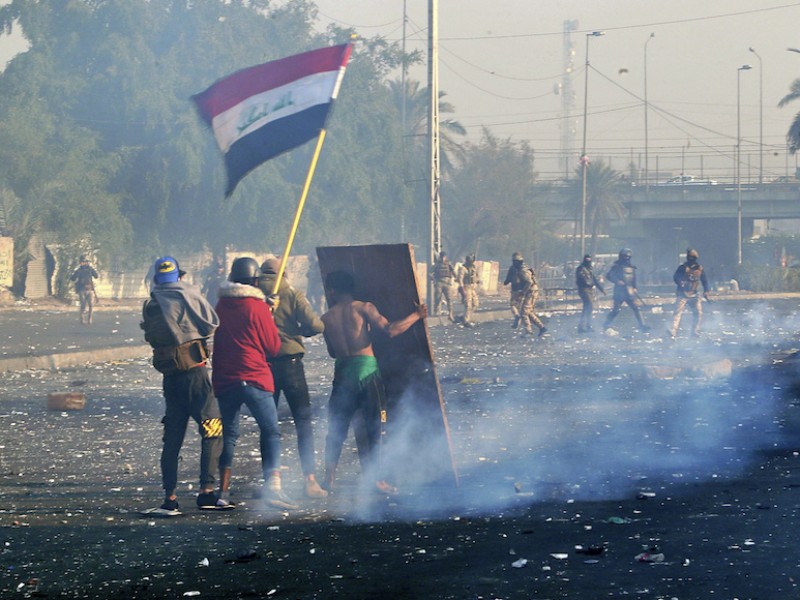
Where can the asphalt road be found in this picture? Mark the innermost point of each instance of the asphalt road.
(623, 443)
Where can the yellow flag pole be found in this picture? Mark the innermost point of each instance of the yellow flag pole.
(300, 205)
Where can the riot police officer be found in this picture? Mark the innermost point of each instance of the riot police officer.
(443, 280)
(586, 282)
(688, 277)
(524, 292)
(623, 275)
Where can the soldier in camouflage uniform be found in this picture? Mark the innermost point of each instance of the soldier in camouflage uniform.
(443, 279)
(623, 275)
(84, 277)
(524, 292)
(468, 282)
(688, 278)
(586, 282)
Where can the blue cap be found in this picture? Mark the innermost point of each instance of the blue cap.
(166, 270)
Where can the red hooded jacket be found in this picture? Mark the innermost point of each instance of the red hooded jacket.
(245, 339)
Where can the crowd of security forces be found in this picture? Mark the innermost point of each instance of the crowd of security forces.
(688, 278)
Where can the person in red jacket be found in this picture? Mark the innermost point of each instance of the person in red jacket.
(246, 338)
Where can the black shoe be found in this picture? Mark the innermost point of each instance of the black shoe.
(515, 324)
(170, 505)
(542, 331)
(210, 501)
(644, 328)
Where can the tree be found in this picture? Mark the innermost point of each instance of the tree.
(102, 143)
(604, 187)
(489, 206)
(793, 135)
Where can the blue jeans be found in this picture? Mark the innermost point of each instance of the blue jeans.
(262, 407)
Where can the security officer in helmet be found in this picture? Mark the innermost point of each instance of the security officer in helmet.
(586, 282)
(688, 277)
(524, 292)
(443, 291)
(622, 275)
(468, 282)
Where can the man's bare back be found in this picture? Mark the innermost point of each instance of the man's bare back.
(347, 327)
(349, 322)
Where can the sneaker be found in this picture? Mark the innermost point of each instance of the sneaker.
(210, 501)
(279, 499)
(170, 506)
(313, 490)
(542, 331)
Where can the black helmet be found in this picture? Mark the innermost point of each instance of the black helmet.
(692, 254)
(244, 270)
(517, 257)
(625, 254)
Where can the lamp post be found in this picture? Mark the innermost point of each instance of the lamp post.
(760, 116)
(584, 159)
(646, 141)
(739, 158)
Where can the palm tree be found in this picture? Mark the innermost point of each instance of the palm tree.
(416, 111)
(793, 135)
(603, 189)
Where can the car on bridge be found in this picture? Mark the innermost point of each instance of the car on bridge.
(687, 180)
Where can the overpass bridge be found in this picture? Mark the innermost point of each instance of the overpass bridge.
(662, 221)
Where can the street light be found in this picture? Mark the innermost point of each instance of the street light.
(646, 142)
(760, 116)
(739, 157)
(584, 159)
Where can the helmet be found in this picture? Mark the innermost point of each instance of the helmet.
(244, 270)
(587, 258)
(625, 254)
(692, 254)
(517, 257)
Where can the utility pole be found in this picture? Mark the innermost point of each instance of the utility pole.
(433, 132)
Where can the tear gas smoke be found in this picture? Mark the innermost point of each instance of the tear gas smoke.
(578, 420)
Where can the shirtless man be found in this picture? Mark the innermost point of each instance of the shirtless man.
(356, 380)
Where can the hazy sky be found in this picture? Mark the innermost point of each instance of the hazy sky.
(500, 61)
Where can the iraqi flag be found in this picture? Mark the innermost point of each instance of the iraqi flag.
(260, 112)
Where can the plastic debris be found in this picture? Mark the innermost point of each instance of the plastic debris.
(519, 563)
(559, 555)
(649, 557)
(203, 563)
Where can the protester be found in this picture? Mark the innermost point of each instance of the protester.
(295, 320)
(243, 344)
(357, 381)
(177, 322)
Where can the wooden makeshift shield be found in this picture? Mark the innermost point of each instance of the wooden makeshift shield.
(417, 446)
